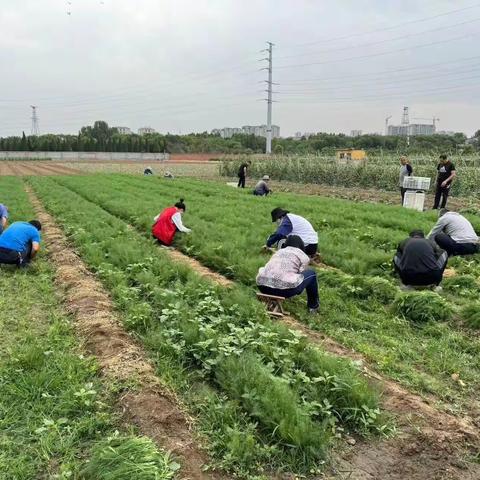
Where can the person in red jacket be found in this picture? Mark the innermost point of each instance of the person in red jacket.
(168, 223)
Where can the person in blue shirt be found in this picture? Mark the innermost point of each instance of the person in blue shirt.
(20, 242)
(3, 217)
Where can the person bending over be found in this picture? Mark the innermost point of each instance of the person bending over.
(3, 217)
(454, 233)
(261, 188)
(420, 261)
(242, 174)
(168, 223)
(285, 274)
(291, 224)
(20, 242)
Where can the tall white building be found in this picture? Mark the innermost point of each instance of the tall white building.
(413, 129)
(124, 130)
(356, 133)
(257, 130)
(144, 130)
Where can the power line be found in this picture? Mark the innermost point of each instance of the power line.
(360, 57)
(379, 42)
(396, 70)
(394, 27)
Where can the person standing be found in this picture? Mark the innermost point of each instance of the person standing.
(445, 175)
(168, 223)
(455, 234)
(420, 261)
(3, 217)
(286, 275)
(261, 188)
(406, 170)
(20, 242)
(291, 224)
(242, 174)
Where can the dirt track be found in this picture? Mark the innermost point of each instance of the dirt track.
(148, 405)
(17, 168)
(431, 444)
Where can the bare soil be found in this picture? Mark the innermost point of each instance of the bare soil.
(431, 444)
(35, 168)
(149, 405)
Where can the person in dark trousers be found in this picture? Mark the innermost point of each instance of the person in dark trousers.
(406, 170)
(455, 234)
(261, 188)
(148, 171)
(420, 261)
(291, 224)
(286, 274)
(242, 174)
(20, 242)
(445, 175)
(3, 217)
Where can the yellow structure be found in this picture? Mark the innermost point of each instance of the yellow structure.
(347, 155)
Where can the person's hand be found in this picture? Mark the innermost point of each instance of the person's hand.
(444, 184)
(189, 230)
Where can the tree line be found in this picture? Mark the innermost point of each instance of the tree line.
(100, 137)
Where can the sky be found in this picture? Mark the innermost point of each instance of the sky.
(183, 66)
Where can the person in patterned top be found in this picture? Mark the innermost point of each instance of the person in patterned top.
(286, 274)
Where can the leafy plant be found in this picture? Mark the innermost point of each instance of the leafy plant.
(420, 307)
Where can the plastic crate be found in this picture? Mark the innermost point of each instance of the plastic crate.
(416, 183)
(414, 200)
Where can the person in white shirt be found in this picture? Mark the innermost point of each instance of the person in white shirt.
(168, 223)
(454, 234)
(286, 274)
(291, 224)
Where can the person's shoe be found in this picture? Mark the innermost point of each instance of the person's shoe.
(313, 311)
(405, 288)
(438, 289)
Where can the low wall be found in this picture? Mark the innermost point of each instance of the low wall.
(72, 156)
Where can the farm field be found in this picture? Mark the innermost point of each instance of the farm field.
(376, 172)
(262, 397)
(57, 416)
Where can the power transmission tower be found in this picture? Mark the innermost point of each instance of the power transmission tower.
(35, 126)
(268, 148)
(406, 124)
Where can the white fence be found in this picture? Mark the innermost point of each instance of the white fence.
(72, 156)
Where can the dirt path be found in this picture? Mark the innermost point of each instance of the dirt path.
(431, 444)
(149, 406)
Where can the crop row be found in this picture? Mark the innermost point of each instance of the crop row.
(372, 175)
(229, 228)
(265, 396)
(57, 419)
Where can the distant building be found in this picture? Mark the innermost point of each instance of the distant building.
(145, 130)
(257, 130)
(413, 129)
(356, 133)
(124, 130)
(450, 133)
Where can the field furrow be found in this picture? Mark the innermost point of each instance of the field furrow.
(355, 311)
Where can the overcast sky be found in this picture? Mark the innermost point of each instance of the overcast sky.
(192, 65)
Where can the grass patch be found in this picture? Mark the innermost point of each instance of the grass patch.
(421, 307)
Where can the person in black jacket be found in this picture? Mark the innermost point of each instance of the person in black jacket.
(445, 175)
(242, 174)
(419, 261)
